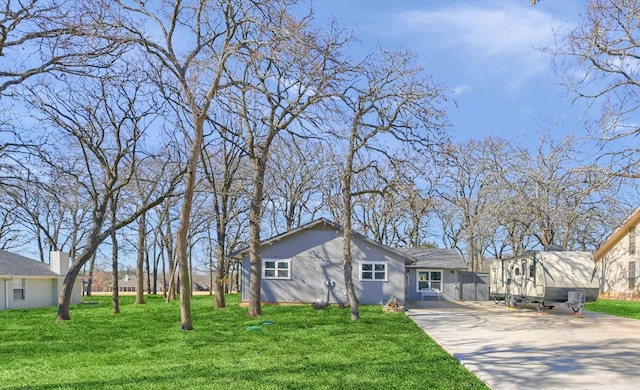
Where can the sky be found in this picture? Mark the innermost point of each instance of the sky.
(487, 52)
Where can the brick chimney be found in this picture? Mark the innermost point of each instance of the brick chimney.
(59, 262)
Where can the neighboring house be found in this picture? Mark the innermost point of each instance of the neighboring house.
(129, 284)
(26, 283)
(305, 265)
(617, 259)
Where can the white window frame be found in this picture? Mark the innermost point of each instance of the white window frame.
(276, 268)
(429, 280)
(18, 284)
(374, 271)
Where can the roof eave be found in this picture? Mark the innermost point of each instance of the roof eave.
(617, 234)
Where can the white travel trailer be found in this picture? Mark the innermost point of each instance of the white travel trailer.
(546, 278)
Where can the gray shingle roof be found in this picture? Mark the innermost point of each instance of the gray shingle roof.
(244, 251)
(434, 258)
(12, 264)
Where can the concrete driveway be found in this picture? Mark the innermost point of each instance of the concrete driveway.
(520, 349)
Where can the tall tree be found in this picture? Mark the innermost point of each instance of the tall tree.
(191, 44)
(289, 70)
(222, 164)
(390, 106)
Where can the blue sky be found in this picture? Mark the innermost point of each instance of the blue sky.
(485, 51)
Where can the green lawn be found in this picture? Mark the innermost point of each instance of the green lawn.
(629, 309)
(143, 347)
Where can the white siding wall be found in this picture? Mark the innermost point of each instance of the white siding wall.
(614, 269)
(3, 289)
(38, 293)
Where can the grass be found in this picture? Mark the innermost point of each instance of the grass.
(629, 309)
(143, 348)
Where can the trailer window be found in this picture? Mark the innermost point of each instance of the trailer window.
(517, 271)
(532, 270)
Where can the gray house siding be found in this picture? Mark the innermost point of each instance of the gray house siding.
(474, 286)
(450, 286)
(316, 269)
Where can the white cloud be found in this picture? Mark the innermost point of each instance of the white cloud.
(460, 89)
(505, 38)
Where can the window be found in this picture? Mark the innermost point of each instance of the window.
(276, 269)
(632, 240)
(18, 289)
(429, 279)
(373, 270)
(632, 275)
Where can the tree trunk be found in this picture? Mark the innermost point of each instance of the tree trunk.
(115, 297)
(142, 228)
(255, 217)
(185, 218)
(346, 246)
(164, 278)
(147, 269)
(170, 283)
(92, 264)
(220, 276)
(346, 226)
(64, 299)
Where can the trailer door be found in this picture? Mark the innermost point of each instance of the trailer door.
(524, 275)
(516, 278)
(538, 277)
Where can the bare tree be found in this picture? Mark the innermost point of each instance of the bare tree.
(295, 183)
(598, 63)
(10, 236)
(398, 216)
(54, 36)
(468, 189)
(389, 101)
(105, 119)
(212, 34)
(48, 210)
(223, 165)
(558, 194)
(288, 72)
